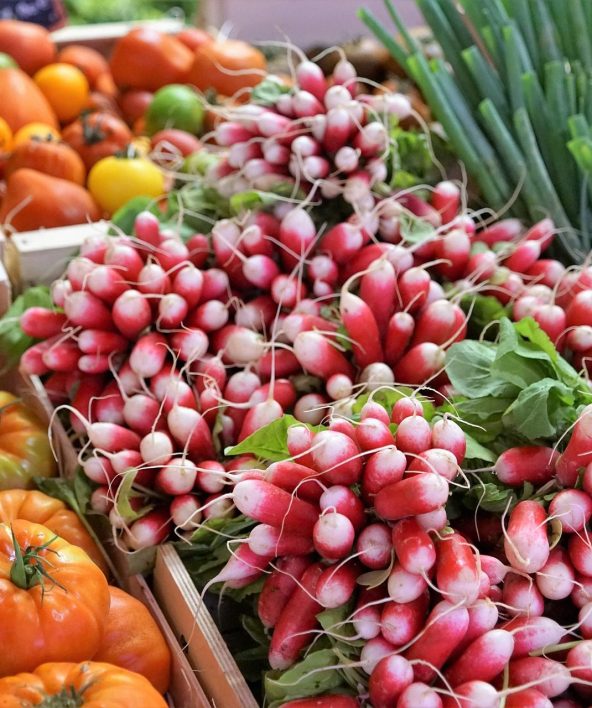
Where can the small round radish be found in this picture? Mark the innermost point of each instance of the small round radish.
(336, 585)
(333, 535)
(373, 651)
(156, 448)
(177, 477)
(186, 512)
(414, 435)
(526, 544)
(374, 546)
(403, 586)
(446, 434)
(390, 678)
(401, 622)
(573, 508)
(148, 531)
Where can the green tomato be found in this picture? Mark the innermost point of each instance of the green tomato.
(175, 106)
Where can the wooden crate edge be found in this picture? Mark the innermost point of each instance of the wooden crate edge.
(179, 599)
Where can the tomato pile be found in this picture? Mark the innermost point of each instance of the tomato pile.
(362, 405)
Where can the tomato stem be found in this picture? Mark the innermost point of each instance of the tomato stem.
(66, 698)
(28, 568)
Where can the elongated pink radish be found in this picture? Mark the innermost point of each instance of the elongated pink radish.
(148, 355)
(150, 530)
(406, 407)
(185, 510)
(374, 547)
(483, 617)
(494, 567)
(436, 460)
(533, 633)
(78, 270)
(171, 390)
(342, 499)
(84, 401)
(521, 597)
(217, 506)
(271, 505)
(531, 463)
(457, 571)
(311, 408)
(526, 544)
(98, 469)
(171, 253)
(550, 677)
(366, 617)
(59, 290)
(240, 345)
(343, 426)
(125, 460)
(125, 259)
(190, 430)
(297, 233)
(106, 283)
(382, 468)
(362, 327)
(579, 339)
(61, 356)
(420, 364)
(371, 410)
(209, 407)
(292, 476)
(582, 592)
(176, 476)
(579, 663)
(413, 435)
(413, 286)
(473, 694)
(31, 361)
(94, 247)
(229, 132)
(297, 620)
(156, 448)
(336, 584)
(445, 627)
(573, 507)
(401, 622)
(147, 228)
(287, 290)
(141, 413)
(268, 540)
(172, 310)
(373, 651)
(297, 322)
(530, 698)
(41, 322)
(436, 520)
(525, 254)
(279, 586)
(503, 230)
(440, 322)
(483, 659)
(552, 320)
(108, 407)
(404, 587)
(578, 452)
(94, 363)
(210, 476)
(419, 494)
(445, 199)
(419, 694)
(333, 535)
(96, 341)
(336, 457)
(259, 416)
(299, 442)
(373, 434)
(580, 553)
(281, 390)
(215, 286)
(242, 568)
(378, 290)
(547, 271)
(337, 128)
(579, 310)
(112, 437)
(391, 676)
(85, 310)
(190, 344)
(342, 242)
(278, 362)
(413, 547)
(131, 314)
(448, 435)
(241, 153)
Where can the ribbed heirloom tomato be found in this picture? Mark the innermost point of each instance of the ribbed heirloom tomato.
(68, 685)
(50, 157)
(96, 136)
(42, 509)
(53, 599)
(24, 447)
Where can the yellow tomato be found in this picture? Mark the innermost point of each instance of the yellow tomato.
(113, 181)
(39, 131)
(5, 136)
(65, 87)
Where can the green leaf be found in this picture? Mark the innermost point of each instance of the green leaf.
(529, 414)
(125, 216)
(415, 230)
(488, 495)
(13, 341)
(519, 362)
(483, 309)
(269, 442)
(300, 681)
(268, 91)
(125, 492)
(476, 451)
(73, 492)
(469, 368)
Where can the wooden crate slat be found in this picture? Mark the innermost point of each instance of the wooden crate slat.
(217, 671)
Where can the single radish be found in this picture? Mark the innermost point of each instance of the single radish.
(483, 617)
(271, 541)
(172, 310)
(366, 617)
(448, 435)
(390, 678)
(405, 408)
(333, 535)
(156, 448)
(521, 597)
(271, 505)
(445, 627)
(420, 364)
(311, 408)
(41, 322)
(436, 460)
(419, 694)
(297, 233)
(401, 622)
(373, 546)
(125, 259)
(573, 508)
(533, 633)
(550, 677)
(336, 457)
(342, 242)
(189, 429)
(413, 435)
(580, 553)
(292, 476)
(141, 413)
(373, 434)
(373, 651)
(446, 197)
(362, 327)
(578, 452)
(296, 622)
(278, 587)
(419, 494)
(413, 547)
(149, 531)
(336, 584)
(473, 694)
(343, 500)
(530, 698)
(131, 314)
(526, 544)
(458, 571)
(148, 355)
(186, 512)
(530, 463)
(483, 659)
(85, 310)
(96, 341)
(242, 568)
(259, 416)
(108, 407)
(404, 587)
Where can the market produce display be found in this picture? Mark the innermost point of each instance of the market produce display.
(353, 392)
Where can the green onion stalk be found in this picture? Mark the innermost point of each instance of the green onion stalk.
(514, 94)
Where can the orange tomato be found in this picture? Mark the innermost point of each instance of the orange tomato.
(133, 641)
(48, 156)
(96, 136)
(35, 131)
(65, 87)
(29, 44)
(22, 100)
(193, 37)
(5, 136)
(227, 66)
(90, 62)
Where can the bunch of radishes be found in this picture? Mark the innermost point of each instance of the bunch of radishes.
(443, 613)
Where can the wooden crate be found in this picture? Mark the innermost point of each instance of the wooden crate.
(5, 289)
(185, 690)
(182, 605)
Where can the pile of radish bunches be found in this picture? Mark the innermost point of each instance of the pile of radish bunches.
(471, 613)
